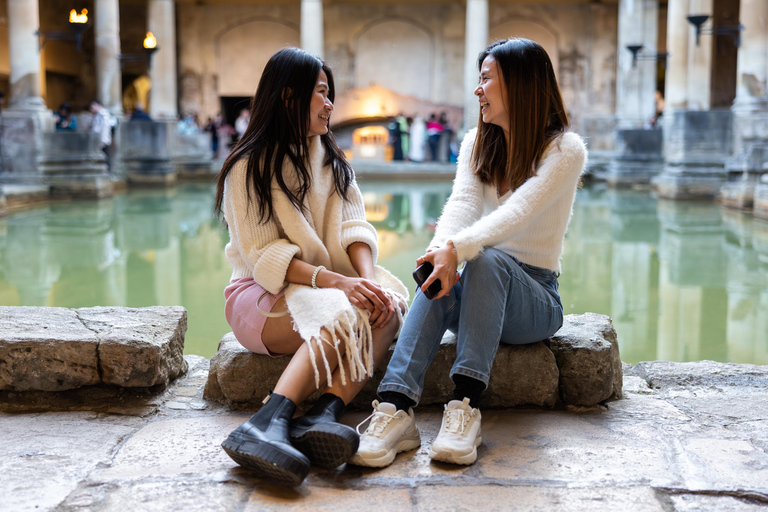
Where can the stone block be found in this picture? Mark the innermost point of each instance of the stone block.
(534, 374)
(146, 152)
(192, 156)
(760, 204)
(47, 349)
(74, 166)
(638, 157)
(138, 347)
(56, 349)
(587, 354)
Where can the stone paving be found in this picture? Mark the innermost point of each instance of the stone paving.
(687, 436)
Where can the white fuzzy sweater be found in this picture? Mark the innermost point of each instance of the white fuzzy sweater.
(320, 236)
(528, 223)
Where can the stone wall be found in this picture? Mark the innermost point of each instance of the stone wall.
(413, 50)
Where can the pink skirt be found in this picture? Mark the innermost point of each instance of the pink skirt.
(242, 296)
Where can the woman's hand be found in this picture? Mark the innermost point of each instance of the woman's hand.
(446, 261)
(367, 294)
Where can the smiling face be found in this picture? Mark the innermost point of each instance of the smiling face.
(491, 91)
(320, 107)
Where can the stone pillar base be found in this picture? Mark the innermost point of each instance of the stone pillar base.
(193, 157)
(744, 171)
(3, 210)
(637, 159)
(760, 206)
(21, 143)
(696, 145)
(600, 134)
(145, 153)
(73, 166)
(677, 184)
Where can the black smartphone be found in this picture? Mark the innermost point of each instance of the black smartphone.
(421, 274)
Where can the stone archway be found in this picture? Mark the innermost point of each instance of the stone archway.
(396, 55)
(533, 31)
(243, 50)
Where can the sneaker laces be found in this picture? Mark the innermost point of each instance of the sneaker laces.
(456, 421)
(379, 422)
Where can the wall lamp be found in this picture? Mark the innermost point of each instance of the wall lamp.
(78, 23)
(636, 50)
(150, 47)
(722, 30)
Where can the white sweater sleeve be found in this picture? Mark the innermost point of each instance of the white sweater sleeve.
(259, 244)
(559, 171)
(465, 206)
(354, 227)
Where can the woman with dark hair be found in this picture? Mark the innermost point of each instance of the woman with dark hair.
(304, 279)
(506, 219)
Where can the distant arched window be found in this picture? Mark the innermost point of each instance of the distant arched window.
(244, 50)
(396, 55)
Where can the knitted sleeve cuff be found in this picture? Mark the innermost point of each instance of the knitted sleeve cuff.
(466, 250)
(271, 264)
(354, 230)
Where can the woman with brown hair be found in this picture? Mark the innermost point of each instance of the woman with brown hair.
(506, 219)
(304, 280)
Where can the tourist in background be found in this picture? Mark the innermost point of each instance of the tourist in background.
(102, 124)
(395, 136)
(241, 123)
(417, 138)
(404, 137)
(434, 130)
(506, 219)
(139, 114)
(212, 128)
(65, 121)
(304, 280)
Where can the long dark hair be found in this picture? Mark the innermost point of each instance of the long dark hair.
(536, 114)
(278, 130)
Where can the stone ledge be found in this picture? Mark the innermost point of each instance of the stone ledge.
(580, 365)
(56, 349)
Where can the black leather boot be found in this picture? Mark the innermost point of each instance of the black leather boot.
(319, 436)
(261, 444)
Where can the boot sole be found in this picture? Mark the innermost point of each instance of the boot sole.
(327, 445)
(265, 459)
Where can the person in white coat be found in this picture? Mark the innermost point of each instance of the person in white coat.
(418, 137)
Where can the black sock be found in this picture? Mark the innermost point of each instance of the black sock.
(400, 401)
(467, 387)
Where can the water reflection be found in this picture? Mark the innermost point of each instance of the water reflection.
(682, 280)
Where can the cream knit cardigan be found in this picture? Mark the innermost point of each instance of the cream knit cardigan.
(528, 223)
(320, 236)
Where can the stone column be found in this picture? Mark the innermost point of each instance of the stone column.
(476, 39)
(638, 151)
(312, 27)
(161, 22)
(750, 110)
(107, 40)
(678, 35)
(26, 116)
(697, 139)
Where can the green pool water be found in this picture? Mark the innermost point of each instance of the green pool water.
(683, 281)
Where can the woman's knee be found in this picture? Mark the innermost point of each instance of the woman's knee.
(489, 262)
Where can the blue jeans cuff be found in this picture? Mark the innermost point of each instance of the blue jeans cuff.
(398, 389)
(470, 373)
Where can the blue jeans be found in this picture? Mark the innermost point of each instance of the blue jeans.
(497, 299)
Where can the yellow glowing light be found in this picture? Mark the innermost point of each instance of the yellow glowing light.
(78, 18)
(150, 41)
(376, 135)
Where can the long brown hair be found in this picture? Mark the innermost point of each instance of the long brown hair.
(278, 130)
(536, 114)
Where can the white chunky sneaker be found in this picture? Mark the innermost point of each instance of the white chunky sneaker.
(459, 434)
(389, 433)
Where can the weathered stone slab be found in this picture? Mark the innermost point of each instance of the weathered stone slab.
(587, 354)
(46, 349)
(56, 349)
(139, 347)
(665, 375)
(521, 375)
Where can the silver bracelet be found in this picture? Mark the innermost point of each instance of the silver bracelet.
(314, 275)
